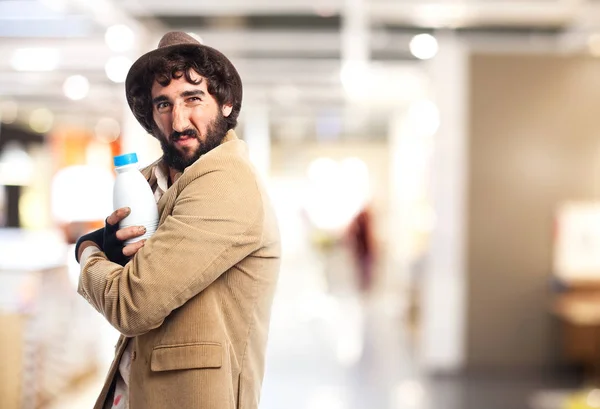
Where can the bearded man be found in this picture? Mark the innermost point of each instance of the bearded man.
(193, 301)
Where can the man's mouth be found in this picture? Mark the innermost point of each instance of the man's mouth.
(184, 140)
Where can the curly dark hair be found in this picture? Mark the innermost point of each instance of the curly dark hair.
(223, 81)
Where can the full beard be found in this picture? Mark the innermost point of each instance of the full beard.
(179, 160)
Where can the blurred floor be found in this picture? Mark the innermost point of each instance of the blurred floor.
(331, 348)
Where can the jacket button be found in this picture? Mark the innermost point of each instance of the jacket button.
(133, 355)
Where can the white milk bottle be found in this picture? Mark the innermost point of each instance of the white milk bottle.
(132, 190)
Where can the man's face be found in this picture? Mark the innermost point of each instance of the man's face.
(189, 120)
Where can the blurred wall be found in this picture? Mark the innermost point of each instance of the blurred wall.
(534, 142)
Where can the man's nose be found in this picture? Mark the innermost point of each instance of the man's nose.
(181, 120)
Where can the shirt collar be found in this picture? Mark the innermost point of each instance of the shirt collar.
(161, 173)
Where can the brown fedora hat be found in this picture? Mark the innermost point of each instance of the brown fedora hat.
(141, 74)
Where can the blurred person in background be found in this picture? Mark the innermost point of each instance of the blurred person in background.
(193, 301)
(361, 241)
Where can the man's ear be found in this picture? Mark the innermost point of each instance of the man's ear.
(226, 109)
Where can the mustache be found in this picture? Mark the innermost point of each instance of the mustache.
(188, 132)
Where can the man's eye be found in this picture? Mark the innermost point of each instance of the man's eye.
(162, 105)
(194, 99)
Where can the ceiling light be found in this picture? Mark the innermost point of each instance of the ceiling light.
(35, 59)
(119, 38)
(423, 46)
(76, 87)
(117, 67)
(8, 111)
(41, 120)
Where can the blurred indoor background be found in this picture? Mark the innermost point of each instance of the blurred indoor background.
(435, 166)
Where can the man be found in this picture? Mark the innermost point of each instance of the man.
(193, 301)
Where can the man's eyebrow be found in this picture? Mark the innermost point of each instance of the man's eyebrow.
(160, 98)
(193, 93)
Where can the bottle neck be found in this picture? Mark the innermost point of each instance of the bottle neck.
(126, 168)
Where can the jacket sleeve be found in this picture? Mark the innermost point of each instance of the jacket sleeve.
(216, 222)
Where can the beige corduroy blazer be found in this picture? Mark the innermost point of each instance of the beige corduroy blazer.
(196, 299)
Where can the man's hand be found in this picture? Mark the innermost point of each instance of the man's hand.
(114, 238)
(111, 240)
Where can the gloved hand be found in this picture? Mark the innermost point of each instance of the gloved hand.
(113, 247)
(111, 240)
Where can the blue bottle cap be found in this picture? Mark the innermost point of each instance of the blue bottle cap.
(127, 159)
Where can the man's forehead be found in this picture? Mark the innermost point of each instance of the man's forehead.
(199, 82)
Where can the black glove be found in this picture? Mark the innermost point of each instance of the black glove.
(96, 236)
(106, 239)
(113, 247)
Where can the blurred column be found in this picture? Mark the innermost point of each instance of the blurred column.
(443, 292)
(257, 135)
(355, 32)
(411, 133)
(403, 189)
(355, 55)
